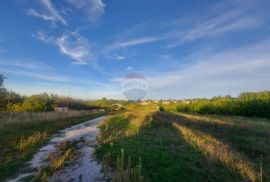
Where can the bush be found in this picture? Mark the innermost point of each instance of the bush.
(255, 104)
(161, 108)
(46, 102)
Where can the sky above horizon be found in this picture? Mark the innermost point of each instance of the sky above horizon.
(184, 49)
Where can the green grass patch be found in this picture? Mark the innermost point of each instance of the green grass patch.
(175, 147)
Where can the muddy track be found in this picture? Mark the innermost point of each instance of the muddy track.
(83, 167)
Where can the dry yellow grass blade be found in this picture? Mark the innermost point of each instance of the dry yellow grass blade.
(217, 150)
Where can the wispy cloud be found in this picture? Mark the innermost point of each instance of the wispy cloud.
(49, 13)
(26, 64)
(32, 69)
(39, 76)
(120, 57)
(92, 9)
(232, 18)
(95, 9)
(217, 73)
(75, 46)
(129, 68)
(134, 42)
(71, 44)
(213, 27)
(121, 44)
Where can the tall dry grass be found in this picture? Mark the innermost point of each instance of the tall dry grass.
(217, 150)
(56, 160)
(126, 124)
(10, 118)
(26, 142)
(124, 172)
(21, 134)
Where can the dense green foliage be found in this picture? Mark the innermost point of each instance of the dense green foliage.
(256, 104)
(8, 97)
(1, 80)
(109, 104)
(44, 102)
(11, 101)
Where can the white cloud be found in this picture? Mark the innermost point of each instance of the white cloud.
(232, 18)
(26, 64)
(32, 69)
(231, 22)
(40, 76)
(75, 46)
(50, 13)
(129, 68)
(32, 12)
(134, 42)
(71, 44)
(229, 72)
(120, 44)
(120, 57)
(93, 9)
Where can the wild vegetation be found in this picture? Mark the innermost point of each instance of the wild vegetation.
(180, 142)
(187, 147)
(21, 134)
(254, 104)
(57, 159)
(13, 102)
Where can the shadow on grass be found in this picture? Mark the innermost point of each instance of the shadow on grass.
(167, 153)
(247, 141)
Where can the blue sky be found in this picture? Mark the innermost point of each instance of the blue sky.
(185, 49)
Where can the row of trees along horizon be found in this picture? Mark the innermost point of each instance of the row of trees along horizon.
(14, 102)
(254, 104)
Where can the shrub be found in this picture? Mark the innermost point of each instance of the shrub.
(255, 104)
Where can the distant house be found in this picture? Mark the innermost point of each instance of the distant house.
(165, 102)
(144, 103)
(155, 101)
(60, 109)
(185, 101)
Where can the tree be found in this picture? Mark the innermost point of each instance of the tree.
(1, 80)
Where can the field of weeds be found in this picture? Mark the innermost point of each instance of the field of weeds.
(186, 147)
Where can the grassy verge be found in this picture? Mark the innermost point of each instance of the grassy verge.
(20, 139)
(185, 147)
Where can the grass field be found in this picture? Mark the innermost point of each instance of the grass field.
(21, 134)
(188, 147)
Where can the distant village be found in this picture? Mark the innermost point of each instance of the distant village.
(164, 102)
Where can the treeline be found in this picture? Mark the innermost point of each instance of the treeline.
(255, 104)
(10, 101)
